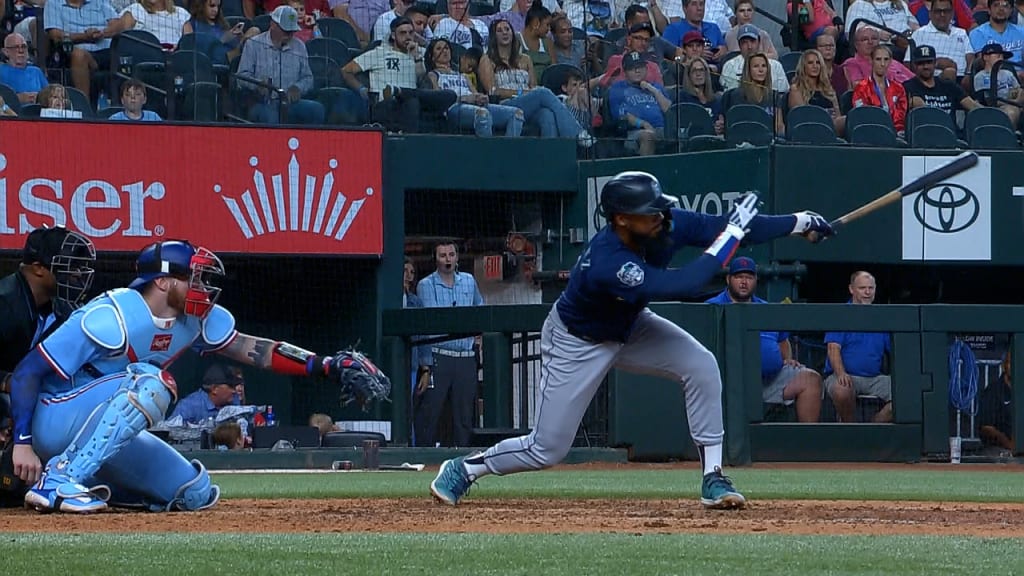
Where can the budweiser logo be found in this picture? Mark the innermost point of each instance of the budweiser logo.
(306, 206)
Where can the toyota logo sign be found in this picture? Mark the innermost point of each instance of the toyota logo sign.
(947, 208)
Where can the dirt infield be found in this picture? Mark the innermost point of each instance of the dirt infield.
(540, 516)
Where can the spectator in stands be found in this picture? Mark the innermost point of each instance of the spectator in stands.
(472, 109)
(880, 91)
(658, 49)
(637, 40)
(784, 379)
(811, 86)
(652, 10)
(454, 362)
(1017, 14)
(395, 69)
(324, 423)
(534, 39)
(469, 65)
(53, 96)
(921, 9)
(927, 89)
(276, 66)
(714, 41)
(640, 104)
(826, 45)
(361, 14)
(566, 50)
(207, 18)
(744, 17)
(227, 436)
(133, 98)
(217, 391)
(307, 21)
(314, 8)
(5, 108)
(162, 18)
(750, 44)
(854, 363)
(458, 26)
(755, 88)
(516, 14)
(382, 27)
(894, 14)
(1007, 84)
(26, 80)
(860, 65)
(88, 25)
(820, 21)
(694, 48)
(698, 89)
(999, 30)
(505, 72)
(577, 98)
(995, 414)
(717, 12)
(952, 47)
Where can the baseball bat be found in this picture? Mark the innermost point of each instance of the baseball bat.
(922, 182)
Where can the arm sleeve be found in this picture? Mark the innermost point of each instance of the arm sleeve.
(25, 384)
(478, 299)
(247, 65)
(52, 16)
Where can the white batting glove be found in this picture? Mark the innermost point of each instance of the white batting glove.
(808, 221)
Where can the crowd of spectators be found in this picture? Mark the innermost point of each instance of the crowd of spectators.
(631, 72)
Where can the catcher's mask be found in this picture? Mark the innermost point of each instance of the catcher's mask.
(69, 257)
(200, 267)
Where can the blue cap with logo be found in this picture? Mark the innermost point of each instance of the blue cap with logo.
(742, 264)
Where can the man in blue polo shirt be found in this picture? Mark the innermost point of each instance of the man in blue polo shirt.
(88, 26)
(785, 380)
(854, 365)
(25, 80)
(693, 13)
(221, 385)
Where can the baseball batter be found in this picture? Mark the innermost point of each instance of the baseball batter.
(85, 395)
(602, 321)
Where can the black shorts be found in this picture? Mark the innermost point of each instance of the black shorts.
(102, 58)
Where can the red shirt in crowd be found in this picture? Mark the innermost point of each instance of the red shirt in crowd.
(867, 93)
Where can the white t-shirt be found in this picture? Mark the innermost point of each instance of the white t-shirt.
(898, 19)
(458, 33)
(166, 27)
(388, 67)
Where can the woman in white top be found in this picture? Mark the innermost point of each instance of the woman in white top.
(162, 18)
(893, 14)
(507, 73)
(472, 109)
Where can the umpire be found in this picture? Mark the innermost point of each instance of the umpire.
(54, 274)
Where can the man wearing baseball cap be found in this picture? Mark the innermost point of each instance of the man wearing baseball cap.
(1007, 86)
(219, 389)
(927, 89)
(784, 380)
(275, 74)
(640, 105)
(637, 40)
(749, 37)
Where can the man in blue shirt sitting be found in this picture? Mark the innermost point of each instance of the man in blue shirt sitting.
(24, 79)
(785, 380)
(640, 104)
(220, 383)
(854, 365)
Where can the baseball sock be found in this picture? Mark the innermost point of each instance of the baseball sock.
(711, 456)
(475, 467)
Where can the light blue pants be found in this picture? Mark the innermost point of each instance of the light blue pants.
(547, 112)
(147, 467)
(484, 119)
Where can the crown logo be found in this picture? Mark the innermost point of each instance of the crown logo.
(281, 216)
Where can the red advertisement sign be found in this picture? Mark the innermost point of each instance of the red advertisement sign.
(242, 190)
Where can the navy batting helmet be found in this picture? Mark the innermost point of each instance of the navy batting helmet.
(180, 259)
(634, 193)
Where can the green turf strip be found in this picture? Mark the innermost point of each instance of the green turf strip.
(592, 554)
(912, 483)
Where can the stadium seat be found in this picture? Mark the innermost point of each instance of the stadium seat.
(748, 113)
(232, 8)
(331, 48)
(755, 133)
(138, 54)
(726, 58)
(868, 115)
(846, 102)
(326, 72)
(10, 98)
(789, 61)
(30, 110)
(80, 102)
(931, 136)
(807, 113)
(813, 133)
(872, 135)
(262, 22)
(924, 116)
(692, 127)
(985, 116)
(109, 111)
(554, 76)
(234, 21)
(190, 66)
(201, 103)
(339, 29)
(992, 137)
(351, 439)
(482, 7)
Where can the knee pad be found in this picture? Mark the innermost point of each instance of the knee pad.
(196, 494)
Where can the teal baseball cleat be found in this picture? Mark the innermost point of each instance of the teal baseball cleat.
(717, 492)
(452, 482)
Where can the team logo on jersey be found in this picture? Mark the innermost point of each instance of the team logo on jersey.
(161, 343)
(631, 274)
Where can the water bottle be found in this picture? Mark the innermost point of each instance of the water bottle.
(804, 13)
(243, 424)
(271, 420)
(102, 102)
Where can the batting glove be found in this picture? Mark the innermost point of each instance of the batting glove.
(807, 221)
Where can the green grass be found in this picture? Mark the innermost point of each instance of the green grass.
(407, 554)
(912, 483)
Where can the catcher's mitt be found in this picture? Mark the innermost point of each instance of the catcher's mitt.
(359, 379)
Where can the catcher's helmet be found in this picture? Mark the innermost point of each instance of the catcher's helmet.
(180, 259)
(634, 193)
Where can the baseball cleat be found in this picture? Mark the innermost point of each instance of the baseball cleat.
(67, 497)
(452, 482)
(718, 493)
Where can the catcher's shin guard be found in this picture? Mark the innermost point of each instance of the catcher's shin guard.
(196, 494)
(141, 401)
